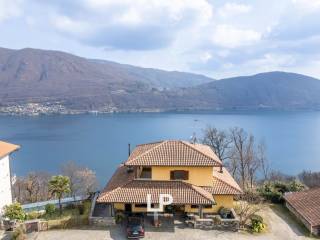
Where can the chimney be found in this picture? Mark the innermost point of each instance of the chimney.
(221, 168)
(129, 150)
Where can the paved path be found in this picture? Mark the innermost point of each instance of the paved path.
(4, 236)
(280, 225)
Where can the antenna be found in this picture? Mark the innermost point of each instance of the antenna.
(129, 149)
(193, 138)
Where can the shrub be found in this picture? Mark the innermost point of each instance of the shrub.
(275, 191)
(19, 233)
(217, 221)
(281, 187)
(296, 186)
(81, 209)
(87, 207)
(68, 222)
(50, 209)
(33, 215)
(71, 206)
(257, 224)
(14, 212)
(119, 217)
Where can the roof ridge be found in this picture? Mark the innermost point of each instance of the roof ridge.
(316, 189)
(149, 150)
(142, 144)
(190, 146)
(239, 190)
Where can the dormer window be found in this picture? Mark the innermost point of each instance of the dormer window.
(146, 173)
(179, 175)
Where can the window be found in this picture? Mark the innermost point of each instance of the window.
(140, 205)
(146, 173)
(143, 205)
(194, 206)
(179, 175)
(207, 206)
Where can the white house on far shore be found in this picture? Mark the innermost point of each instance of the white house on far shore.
(5, 174)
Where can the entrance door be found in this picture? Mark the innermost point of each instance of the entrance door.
(128, 207)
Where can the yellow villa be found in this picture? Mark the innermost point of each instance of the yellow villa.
(191, 173)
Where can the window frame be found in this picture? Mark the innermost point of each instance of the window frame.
(185, 175)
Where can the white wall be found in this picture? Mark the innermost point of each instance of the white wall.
(5, 182)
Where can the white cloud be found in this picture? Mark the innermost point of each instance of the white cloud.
(131, 17)
(205, 57)
(230, 37)
(132, 25)
(218, 38)
(307, 5)
(232, 9)
(152, 10)
(270, 61)
(10, 8)
(66, 24)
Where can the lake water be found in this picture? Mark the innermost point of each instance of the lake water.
(101, 142)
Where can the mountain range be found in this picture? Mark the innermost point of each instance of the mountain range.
(51, 78)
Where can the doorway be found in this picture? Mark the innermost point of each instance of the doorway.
(128, 207)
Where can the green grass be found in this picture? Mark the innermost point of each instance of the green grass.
(69, 218)
(65, 213)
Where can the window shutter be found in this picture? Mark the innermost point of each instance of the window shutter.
(186, 175)
(172, 175)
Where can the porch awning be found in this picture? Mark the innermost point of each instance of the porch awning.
(136, 191)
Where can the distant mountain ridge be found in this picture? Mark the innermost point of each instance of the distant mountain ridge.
(273, 90)
(75, 84)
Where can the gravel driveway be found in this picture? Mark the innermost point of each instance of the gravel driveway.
(280, 226)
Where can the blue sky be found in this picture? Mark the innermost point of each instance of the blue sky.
(216, 38)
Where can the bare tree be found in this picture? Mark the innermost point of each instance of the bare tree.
(18, 190)
(263, 160)
(247, 207)
(31, 188)
(253, 163)
(232, 165)
(240, 139)
(276, 175)
(82, 180)
(218, 140)
(86, 181)
(70, 169)
(310, 179)
(244, 162)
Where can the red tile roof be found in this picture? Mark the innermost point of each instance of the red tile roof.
(136, 192)
(223, 183)
(173, 153)
(123, 188)
(307, 204)
(119, 178)
(7, 148)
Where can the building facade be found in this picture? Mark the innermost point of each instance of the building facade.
(191, 173)
(5, 174)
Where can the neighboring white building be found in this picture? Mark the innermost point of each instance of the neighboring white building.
(5, 174)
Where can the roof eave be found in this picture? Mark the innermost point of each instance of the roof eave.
(17, 147)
